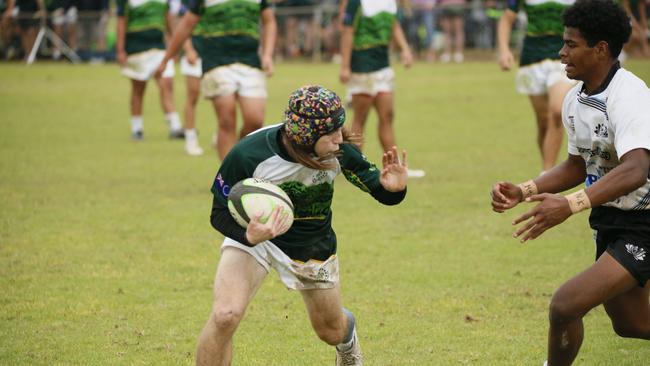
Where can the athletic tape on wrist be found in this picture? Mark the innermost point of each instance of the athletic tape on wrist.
(578, 201)
(528, 188)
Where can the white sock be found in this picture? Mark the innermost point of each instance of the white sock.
(190, 134)
(174, 121)
(137, 123)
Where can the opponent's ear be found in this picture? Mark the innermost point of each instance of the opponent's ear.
(602, 49)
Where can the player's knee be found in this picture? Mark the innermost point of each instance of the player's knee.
(227, 124)
(329, 333)
(226, 319)
(562, 310)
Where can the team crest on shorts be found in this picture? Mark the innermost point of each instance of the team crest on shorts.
(637, 253)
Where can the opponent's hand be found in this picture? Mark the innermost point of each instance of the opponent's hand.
(394, 173)
(344, 74)
(506, 60)
(552, 210)
(505, 196)
(277, 224)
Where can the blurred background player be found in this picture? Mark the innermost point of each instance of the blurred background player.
(30, 14)
(607, 118)
(303, 156)
(64, 24)
(541, 76)
(452, 22)
(140, 48)
(233, 72)
(191, 69)
(368, 27)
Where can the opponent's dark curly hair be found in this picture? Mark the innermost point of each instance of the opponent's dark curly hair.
(599, 20)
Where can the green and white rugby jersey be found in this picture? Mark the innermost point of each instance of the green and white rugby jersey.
(145, 24)
(260, 155)
(373, 28)
(230, 31)
(544, 31)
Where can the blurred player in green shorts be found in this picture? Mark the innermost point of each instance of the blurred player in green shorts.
(541, 76)
(233, 72)
(141, 28)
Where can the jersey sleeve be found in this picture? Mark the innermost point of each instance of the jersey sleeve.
(629, 113)
(232, 170)
(350, 12)
(357, 169)
(569, 125)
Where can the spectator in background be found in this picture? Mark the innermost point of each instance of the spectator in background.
(299, 27)
(64, 24)
(423, 17)
(140, 48)
(452, 22)
(93, 18)
(30, 15)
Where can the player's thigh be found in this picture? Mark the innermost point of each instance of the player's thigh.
(556, 94)
(324, 306)
(252, 109)
(225, 107)
(629, 308)
(384, 103)
(540, 107)
(604, 280)
(238, 278)
(138, 87)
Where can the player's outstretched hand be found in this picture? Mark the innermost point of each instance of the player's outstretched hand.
(277, 224)
(505, 196)
(552, 210)
(394, 172)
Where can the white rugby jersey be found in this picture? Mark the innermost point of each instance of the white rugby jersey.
(604, 126)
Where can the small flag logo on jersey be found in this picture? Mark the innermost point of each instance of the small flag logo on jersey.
(637, 253)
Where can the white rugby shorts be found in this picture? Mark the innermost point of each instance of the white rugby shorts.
(246, 81)
(142, 65)
(537, 78)
(372, 83)
(188, 69)
(295, 275)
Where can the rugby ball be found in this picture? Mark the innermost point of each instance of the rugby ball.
(253, 195)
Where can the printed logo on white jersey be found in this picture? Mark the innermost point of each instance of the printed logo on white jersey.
(572, 124)
(637, 253)
(601, 130)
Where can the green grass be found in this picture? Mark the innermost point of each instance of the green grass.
(107, 255)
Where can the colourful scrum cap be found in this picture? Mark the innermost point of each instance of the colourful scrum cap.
(313, 111)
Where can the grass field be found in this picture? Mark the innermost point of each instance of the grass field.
(107, 255)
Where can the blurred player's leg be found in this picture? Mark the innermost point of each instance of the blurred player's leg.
(138, 88)
(252, 110)
(555, 129)
(238, 278)
(604, 280)
(166, 85)
(385, 111)
(225, 108)
(361, 104)
(540, 107)
(191, 139)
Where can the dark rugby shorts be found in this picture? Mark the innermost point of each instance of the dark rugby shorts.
(625, 235)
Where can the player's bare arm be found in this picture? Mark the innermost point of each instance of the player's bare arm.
(553, 209)
(347, 36)
(570, 173)
(269, 34)
(120, 40)
(504, 30)
(181, 33)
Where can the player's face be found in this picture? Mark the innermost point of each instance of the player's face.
(329, 143)
(576, 54)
